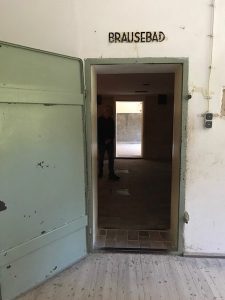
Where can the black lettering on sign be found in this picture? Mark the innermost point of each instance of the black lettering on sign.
(117, 37)
(161, 36)
(124, 37)
(148, 36)
(130, 37)
(111, 37)
(136, 37)
(143, 35)
(155, 37)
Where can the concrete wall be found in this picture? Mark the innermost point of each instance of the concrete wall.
(158, 128)
(129, 128)
(157, 124)
(80, 28)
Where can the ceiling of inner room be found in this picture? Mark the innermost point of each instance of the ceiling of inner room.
(133, 84)
(135, 68)
(133, 79)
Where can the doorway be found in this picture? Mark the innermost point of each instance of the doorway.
(129, 126)
(158, 171)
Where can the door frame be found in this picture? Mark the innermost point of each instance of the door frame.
(91, 62)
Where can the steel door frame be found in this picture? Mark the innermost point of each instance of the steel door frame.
(89, 62)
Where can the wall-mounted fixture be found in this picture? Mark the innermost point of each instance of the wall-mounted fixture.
(188, 97)
(208, 120)
(186, 217)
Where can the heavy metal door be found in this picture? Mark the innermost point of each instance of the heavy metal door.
(42, 177)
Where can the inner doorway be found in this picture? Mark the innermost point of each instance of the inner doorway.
(129, 125)
(142, 209)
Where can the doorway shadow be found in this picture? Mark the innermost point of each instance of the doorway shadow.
(140, 200)
(135, 210)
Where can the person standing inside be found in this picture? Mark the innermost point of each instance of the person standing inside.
(106, 136)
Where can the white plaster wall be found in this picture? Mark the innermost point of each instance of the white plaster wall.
(44, 24)
(80, 28)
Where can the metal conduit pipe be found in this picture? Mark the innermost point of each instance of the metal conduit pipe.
(211, 36)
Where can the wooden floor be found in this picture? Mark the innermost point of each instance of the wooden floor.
(135, 277)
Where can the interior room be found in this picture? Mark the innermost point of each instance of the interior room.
(135, 211)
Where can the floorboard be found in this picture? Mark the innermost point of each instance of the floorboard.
(124, 276)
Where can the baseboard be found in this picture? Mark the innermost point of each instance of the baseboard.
(204, 254)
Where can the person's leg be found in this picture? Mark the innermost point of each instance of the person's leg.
(110, 152)
(101, 154)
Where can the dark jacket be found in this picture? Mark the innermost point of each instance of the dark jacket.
(106, 129)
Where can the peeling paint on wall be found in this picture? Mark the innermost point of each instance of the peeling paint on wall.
(199, 90)
(42, 164)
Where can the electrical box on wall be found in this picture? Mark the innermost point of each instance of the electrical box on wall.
(208, 120)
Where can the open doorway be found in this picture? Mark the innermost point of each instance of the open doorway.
(129, 125)
(141, 210)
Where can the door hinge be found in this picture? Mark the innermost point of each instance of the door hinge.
(85, 93)
(86, 192)
(90, 230)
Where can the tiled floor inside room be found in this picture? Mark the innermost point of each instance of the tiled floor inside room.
(134, 212)
(133, 239)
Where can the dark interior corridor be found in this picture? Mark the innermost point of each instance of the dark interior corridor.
(135, 211)
(140, 200)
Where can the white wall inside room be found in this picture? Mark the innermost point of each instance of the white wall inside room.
(80, 28)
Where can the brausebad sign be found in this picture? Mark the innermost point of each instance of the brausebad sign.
(136, 37)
